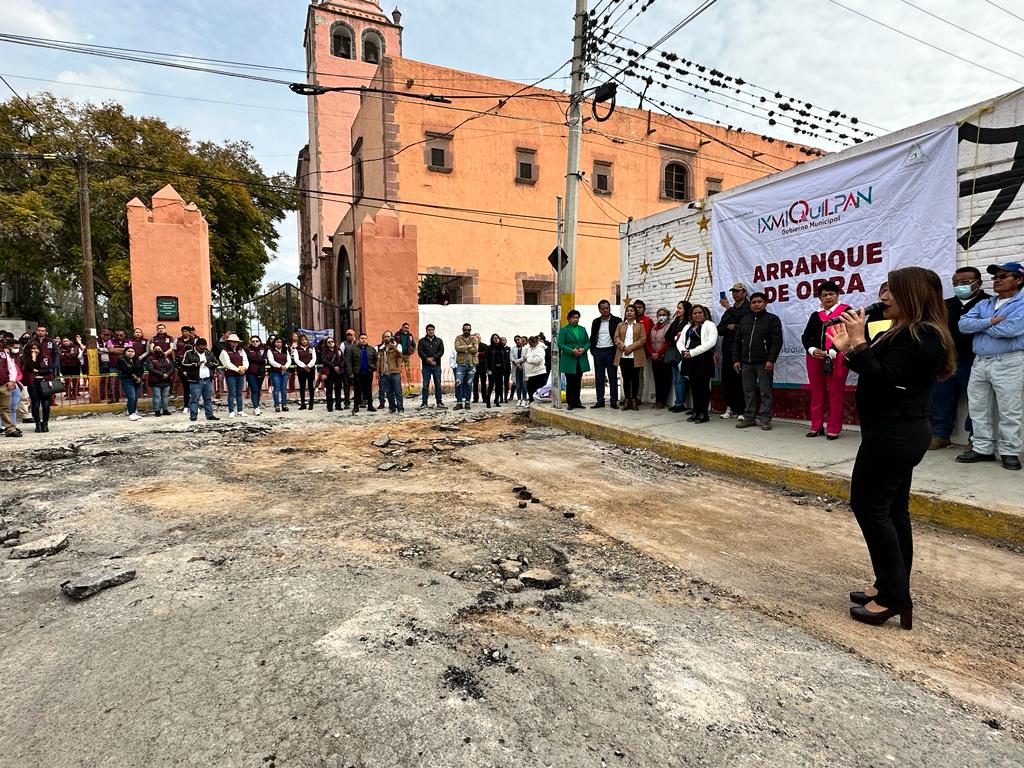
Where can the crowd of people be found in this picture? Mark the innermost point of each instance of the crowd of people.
(682, 349)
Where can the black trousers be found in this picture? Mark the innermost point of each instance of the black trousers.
(334, 384)
(534, 383)
(732, 383)
(307, 378)
(630, 379)
(479, 382)
(662, 381)
(880, 497)
(494, 385)
(363, 394)
(700, 392)
(573, 384)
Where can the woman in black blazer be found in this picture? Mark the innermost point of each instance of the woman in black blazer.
(894, 394)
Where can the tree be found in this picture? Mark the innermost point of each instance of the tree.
(129, 157)
(272, 308)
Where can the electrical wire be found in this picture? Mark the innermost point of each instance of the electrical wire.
(1004, 10)
(930, 45)
(705, 5)
(963, 29)
(723, 78)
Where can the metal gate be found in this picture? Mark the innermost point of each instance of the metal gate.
(282, 311)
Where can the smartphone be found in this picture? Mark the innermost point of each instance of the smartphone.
(721, 294)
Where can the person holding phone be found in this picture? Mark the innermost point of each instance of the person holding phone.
(732, 383)
(898, 370)
(826, 366)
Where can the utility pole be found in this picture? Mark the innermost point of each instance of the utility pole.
(567, 296)
(88, 291)
(556, 313)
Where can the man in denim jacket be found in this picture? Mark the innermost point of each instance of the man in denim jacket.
(997, 376)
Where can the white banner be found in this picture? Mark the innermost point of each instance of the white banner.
(850, 222)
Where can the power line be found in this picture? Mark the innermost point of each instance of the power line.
(925, 42)
(18, 97)
(1004, 10)
(719, 80)
(705, 4)
(963, 29)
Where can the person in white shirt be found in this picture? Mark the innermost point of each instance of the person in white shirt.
(533, 367)
(602, 340)
(278, 359)
(696, 345)
(235, 363)
(198, 365)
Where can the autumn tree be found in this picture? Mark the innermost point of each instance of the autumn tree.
(129, 157)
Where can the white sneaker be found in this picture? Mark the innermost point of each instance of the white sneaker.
(728, 414)
(241, 413)
(741, 417)
(257, 411)
(134, 417)
(231, 414)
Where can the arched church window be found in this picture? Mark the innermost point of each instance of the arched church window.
(373, 46)
(343, 41)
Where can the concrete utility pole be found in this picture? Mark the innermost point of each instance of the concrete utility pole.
(88, 291)
(85, 222)
(556, 325)
(567, 298)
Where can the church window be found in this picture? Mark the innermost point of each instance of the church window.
(677, 181)
(342, 41)
(373, 46)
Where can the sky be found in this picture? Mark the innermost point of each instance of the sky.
(816, 50)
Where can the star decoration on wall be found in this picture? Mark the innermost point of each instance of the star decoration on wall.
(703, 223)
(667, 241)
(643, 267)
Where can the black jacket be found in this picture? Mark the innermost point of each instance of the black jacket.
(731, 316)
(190, 364)
(613, 323)
(758, 338)
(964, 342)
(354, 356)
(897, 374)
(431, 347)
(482, 359)
(129, 369)
(498, 359)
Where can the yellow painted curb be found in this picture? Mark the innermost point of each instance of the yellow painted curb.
(955, 515)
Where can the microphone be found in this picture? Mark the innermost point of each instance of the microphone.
(867, 311)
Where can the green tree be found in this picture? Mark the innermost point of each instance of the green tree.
(129, 157)
(272, 309)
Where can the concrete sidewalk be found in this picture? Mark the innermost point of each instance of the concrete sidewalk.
(980, 499)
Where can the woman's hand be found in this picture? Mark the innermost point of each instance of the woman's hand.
(851, 332)
(819, 354)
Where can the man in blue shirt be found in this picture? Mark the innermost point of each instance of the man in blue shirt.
(997, 375)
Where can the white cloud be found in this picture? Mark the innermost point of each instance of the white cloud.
(99, 78)
(27, 17)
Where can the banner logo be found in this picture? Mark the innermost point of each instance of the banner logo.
(801, 214)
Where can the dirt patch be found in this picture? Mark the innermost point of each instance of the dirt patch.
(357, 617)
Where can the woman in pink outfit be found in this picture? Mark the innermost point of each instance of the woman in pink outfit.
(826, 366)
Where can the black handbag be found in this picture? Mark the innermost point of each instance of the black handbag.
(672, 356)
(49, 388)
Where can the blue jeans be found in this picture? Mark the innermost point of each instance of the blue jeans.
(464, 382)
(254, 381)
(131, 394)
(679, 384)
(279, 383)
(391, 388)
(520, 384)
(431, 372)
(161, 393)
(200, 389)
(946, 397)
(15, 398)
(234, 387)
(604, 369)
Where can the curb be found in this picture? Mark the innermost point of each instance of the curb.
(957, 516)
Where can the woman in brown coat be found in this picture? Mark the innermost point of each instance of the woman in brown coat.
(629, 356)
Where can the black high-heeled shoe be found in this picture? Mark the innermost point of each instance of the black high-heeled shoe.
(818, 433)
(862, 614)
(862, 598)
